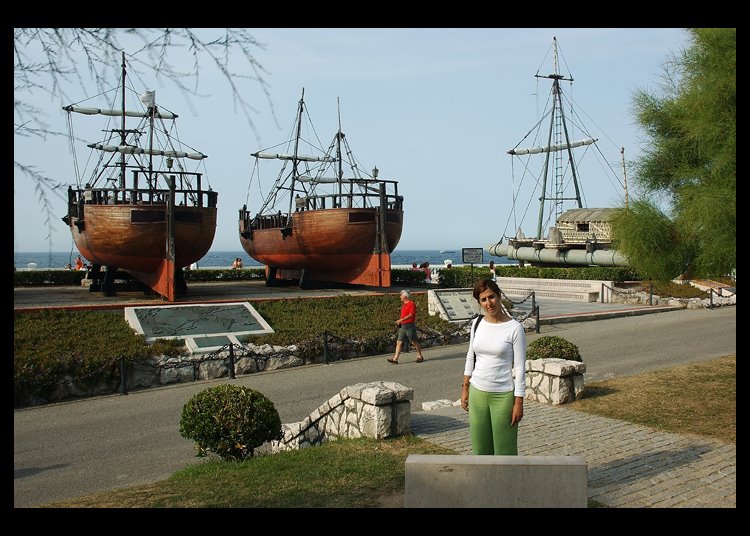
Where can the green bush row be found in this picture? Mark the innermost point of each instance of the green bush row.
(456, 277)
(204, 275)
(467, 276)
(41, 278)
(52, 344)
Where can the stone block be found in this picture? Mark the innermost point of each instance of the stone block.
(554, 381)
(455, 481)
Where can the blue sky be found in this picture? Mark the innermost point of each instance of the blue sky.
(435, 109)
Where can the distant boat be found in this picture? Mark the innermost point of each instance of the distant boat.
(580, 235)
(318, 224)
(447, 251)
(141, 210)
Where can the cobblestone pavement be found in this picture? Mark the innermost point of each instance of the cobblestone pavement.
(629, 466)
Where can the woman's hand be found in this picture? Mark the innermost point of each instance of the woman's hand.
(517, 414)
(465, 398)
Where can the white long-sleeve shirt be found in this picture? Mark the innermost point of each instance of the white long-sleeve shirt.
(500, 364)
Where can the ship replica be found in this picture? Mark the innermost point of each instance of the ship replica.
(141, 210)
(580, 235)
(317, 224)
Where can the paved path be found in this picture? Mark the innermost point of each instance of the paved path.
(629, 466)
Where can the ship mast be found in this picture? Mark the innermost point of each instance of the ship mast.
(339, 136)
(123, 132)
(559, 128)
(295, 160)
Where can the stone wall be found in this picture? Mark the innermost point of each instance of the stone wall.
(643, 298)
(554, 381)
(378, 410)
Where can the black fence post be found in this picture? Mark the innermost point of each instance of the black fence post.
(536, 312)
(123, 377)
(231, 361)
(533, 300)
(651, 293)
(326, 357)
(710, 298)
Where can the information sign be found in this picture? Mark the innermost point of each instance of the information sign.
(472, 255)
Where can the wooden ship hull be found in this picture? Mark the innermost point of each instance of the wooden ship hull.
(135, 238)
(317, 224)
(336, 244)
(141, 211)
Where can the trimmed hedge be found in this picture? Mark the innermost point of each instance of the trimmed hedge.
(41, 278)
(467, 276)
(456, 277)
(551, 346)
(230, 420)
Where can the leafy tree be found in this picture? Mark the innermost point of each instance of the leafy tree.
(46, 60)
(651, 241)
(690, 162)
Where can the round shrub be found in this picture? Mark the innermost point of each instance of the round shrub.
(230, 420)
(550, 346)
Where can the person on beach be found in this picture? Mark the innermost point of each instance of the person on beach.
(425, 267)
(407, 329)
(79, 263)
(494, 383)
(493, 274)
(237, 264)
(414, 267)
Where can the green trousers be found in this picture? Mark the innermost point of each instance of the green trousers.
(489, 423)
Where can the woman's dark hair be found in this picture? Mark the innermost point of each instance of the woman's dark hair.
(484, 284)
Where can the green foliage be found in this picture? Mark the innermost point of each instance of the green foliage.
(40, 278)
(599, 273)
(230, 420)
(245, 274)
(551, 346)
(464, 277)
(50, 344)
(168, 347)
(407, 277)
(676, 290)
(456, 277)
(86, 345)
(651, 241)
(362, 318)
(691, 155)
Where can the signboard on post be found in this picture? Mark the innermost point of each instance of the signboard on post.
(472, 255)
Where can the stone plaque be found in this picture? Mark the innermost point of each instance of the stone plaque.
(203, 326)
(454, 305)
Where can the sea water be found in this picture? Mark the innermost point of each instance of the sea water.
(224, 259)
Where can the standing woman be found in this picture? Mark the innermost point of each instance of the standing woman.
(494, 375)
(493, 273)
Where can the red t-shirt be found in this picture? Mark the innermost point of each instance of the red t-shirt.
(409, 308)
